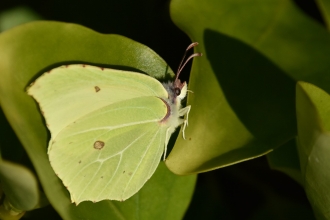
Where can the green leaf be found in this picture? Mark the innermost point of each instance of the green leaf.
(16, 16)
(313, 116)
(243, 104)
(19, 185)
(324, 6)
(31, 49)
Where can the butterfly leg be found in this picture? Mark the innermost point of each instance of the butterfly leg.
(182, 112)
(170, 130)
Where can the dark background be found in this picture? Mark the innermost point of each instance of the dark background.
(248, 190)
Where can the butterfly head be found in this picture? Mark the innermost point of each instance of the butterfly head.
(180, 89)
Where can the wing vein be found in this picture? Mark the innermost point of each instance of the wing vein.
(110, 128)
(144, 154)
(136, 139)
(91, 179)
(81, 153)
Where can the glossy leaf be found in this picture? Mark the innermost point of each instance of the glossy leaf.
(16, 16)
(243, 104)
(31, 49)
(19, 185)
(313, 116)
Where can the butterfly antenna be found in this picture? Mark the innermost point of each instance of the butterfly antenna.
(192, 45)
(189, 58)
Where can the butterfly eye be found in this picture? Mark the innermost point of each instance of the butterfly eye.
(177, 91)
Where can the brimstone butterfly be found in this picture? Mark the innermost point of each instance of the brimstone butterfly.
(109, 128)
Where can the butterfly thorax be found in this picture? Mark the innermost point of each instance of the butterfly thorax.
(176, 91)
(173, 102)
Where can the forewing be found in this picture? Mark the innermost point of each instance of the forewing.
(67, 93)
(111, 152)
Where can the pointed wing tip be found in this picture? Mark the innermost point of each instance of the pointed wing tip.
(29, 88)
(32, 88)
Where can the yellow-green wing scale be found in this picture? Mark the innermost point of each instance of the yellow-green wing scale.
(69, 92)
(131, 142)
(107, 135)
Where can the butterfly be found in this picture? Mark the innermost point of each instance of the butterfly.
(109, 127)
